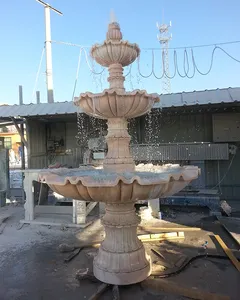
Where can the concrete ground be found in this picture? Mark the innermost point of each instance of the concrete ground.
(32, 268)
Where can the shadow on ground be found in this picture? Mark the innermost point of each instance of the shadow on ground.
(39, 272)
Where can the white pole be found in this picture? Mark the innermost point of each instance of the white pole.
(48, 47)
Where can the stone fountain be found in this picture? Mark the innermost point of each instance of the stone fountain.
(121, 259)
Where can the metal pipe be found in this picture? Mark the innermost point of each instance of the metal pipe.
(20, 93)
(38, 96)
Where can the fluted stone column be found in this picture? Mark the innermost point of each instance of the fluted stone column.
(121, 259)
(118, 158)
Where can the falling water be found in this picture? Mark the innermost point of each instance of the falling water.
(112, 16)
(149, 131)
(93, 124)
(81, 132)
(132, 129)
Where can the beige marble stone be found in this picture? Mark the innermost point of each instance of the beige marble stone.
(121, 259)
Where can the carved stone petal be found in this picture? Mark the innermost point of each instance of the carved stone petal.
(115, 104)
(100, 186)
(111, 52)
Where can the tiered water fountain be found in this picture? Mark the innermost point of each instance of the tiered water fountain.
(121, 258)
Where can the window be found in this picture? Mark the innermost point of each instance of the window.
(8, 143)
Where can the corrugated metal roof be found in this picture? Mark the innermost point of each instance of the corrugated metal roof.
(41, 109)
(228, 95)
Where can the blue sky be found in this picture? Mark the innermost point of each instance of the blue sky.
(85, 22)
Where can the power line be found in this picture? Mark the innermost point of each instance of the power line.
(186, 61)
(38, 72)
(70, 44)
(159, 49)
(196, 46)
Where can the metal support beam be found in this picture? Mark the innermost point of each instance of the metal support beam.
(48, 47)
(23, 148)
(20, 132)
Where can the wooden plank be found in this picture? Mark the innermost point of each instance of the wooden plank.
(2, 226)
(162, 239)
(234, 235)
(90, 207)
(189, 292)
(115, 292)
(53, 209)
(50, 223)
(72, 255)
(229, 253)
(101, 289)
(4, 217)
(156, 236)
(168, 229)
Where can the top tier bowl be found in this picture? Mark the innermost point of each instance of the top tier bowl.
(115, 102)
(114, 50)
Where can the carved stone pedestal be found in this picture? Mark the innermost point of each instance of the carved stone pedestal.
(121, 259)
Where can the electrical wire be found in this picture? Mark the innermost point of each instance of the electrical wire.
(70, 44)
(38, 72)
(224, 176)
(186, 65)
(77, 73)
(188, 262)
(218, 172)
(90, 68)
(173, 48)
(176, 69)
(195, 46)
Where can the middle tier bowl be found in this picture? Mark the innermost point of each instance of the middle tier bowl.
(116, 104)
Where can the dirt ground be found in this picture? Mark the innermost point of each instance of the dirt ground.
(32, 268)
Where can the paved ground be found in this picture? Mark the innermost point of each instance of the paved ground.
(32, 268)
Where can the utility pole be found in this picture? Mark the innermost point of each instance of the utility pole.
(48, 49)
(164, 39)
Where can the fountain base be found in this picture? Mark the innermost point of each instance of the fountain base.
(121, 259)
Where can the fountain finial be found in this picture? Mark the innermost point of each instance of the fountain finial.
(114, 31)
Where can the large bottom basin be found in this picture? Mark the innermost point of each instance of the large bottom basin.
(95, 184)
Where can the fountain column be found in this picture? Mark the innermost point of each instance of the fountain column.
(121, 259)
(118, 158)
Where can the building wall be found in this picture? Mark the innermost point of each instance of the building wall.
(222, 175)
(158, 128)
(75, 134)
(36, 135)
(177, 128)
